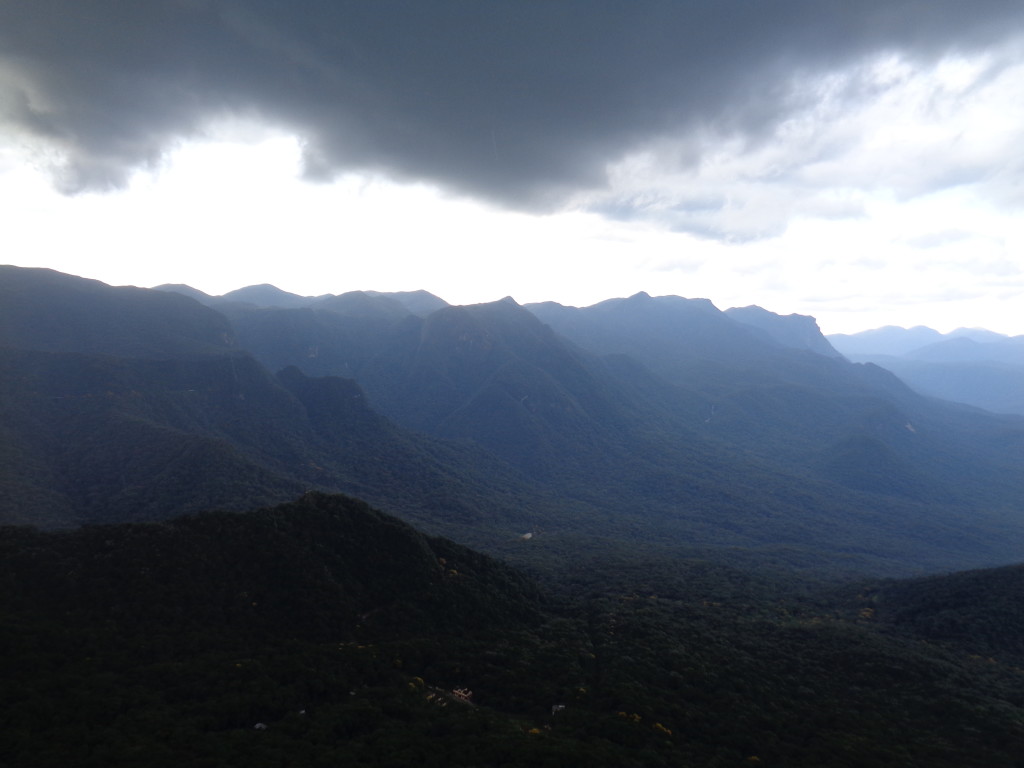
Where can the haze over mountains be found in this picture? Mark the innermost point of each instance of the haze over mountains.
(968, 365)
(656, 420)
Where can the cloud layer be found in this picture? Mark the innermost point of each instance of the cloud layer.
(724, 118)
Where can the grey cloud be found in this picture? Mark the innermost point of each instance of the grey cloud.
(521, 102)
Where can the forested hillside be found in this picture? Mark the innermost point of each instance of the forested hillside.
(689, 502)
(697, 425)
(323, 632)
(113, 413)
(641, 422)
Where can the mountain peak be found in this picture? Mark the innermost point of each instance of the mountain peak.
(795, 331)
(266, 295)
(506, 306)
(185, 290)
(364, 304)
(419, 302)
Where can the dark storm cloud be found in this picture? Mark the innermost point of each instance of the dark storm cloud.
(520, 102)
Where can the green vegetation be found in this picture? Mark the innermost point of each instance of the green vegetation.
(322, 632)
(679, 430)
(691, 510)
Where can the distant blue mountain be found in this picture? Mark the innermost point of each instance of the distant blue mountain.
(894, 340)
(420, 303)
(969, 365)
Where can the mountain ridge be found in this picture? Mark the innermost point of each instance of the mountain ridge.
(684, 429)
(971, 366)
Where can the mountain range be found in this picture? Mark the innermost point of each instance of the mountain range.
(971, 366)
(708, 520)
(643, 421)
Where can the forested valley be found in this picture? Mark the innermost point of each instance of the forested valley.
(375, 529)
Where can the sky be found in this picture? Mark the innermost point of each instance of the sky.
(858, 162)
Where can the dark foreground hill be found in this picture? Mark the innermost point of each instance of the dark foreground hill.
(981, 611)
(324, 633)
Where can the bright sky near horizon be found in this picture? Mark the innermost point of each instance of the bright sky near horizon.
(860, 163)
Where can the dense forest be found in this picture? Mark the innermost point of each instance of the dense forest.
(641, 533)
(322, 632)
(648, 422)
